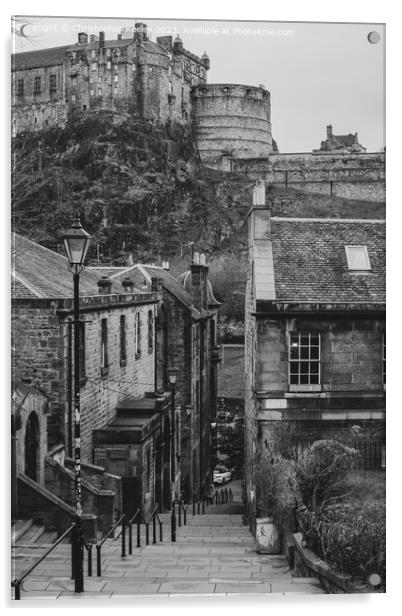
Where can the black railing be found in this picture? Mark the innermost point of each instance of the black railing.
(222, 497)
(99, 545)
(16, 584)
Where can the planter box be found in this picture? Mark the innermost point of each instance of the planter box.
(267, 537)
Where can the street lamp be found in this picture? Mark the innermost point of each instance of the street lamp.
(76, 242)
(172, 376)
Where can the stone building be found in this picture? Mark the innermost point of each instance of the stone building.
(341, 143)
(185, 338)
(131, 73)
(117, 374)
(314, 333)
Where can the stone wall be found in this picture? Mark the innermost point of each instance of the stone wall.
(351, 176)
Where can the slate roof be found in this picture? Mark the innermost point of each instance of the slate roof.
(309, 260)
(42, 273)
(40, 57)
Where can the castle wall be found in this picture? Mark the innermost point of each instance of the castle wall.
(352, 176)
(231, 119)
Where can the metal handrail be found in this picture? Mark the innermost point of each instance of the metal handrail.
(16, 584)
(99, 545)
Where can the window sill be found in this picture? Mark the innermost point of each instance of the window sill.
(105, 371)
(304, 388)
(123, 362)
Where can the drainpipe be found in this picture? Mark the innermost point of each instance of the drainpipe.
(69, 391)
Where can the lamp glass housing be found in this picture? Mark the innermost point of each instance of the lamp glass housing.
(76, 242)
(172, 375)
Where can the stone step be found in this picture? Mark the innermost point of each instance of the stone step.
(19, 528)
(32, 535)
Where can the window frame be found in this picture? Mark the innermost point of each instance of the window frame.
(123, 340)
(151, 332)
(53, 82)
(104, 347)
(309, 386)
(20, 87)
(363, 248)
(137, 335)
(37, 85)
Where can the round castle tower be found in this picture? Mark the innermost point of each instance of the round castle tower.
(231, 120)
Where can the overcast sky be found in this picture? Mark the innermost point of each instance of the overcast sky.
(317, 73)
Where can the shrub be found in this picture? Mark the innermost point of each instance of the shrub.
(277, 489)
(350, 544)
(321, 468)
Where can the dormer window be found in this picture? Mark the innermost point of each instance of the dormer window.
(357, 258)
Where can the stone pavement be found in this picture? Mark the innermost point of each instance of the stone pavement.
(214, 554)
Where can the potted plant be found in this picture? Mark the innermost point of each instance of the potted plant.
(267, 534)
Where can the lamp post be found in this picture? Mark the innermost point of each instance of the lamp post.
(172, 376)
(76, 242)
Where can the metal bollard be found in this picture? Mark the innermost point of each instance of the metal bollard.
(98, 561)
(89, 559)
(179, 513)
(203, 505)
(193, 506)
(154, 530)
(160, 532)
(185, 516)
(147, 533)
(138, 535)
(173, 524)
(123, 539)
(130, 538)
(198, 507)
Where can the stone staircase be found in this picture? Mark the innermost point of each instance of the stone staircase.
(214, 553)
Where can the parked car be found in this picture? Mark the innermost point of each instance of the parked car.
(221, 474)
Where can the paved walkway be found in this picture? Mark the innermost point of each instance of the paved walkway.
(213, 554)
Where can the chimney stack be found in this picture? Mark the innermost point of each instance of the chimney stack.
(199, 281)
(329, 132)
(101, 40)
(105, 286)
(82, 38)
(128, 285)
(156, 284)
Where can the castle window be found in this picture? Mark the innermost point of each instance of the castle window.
(114, 90)
(91, 92)
(357, 258)
(37, 85)
(53, 83)
(74, 80)
(151, 70)
(20, 87)
(115, 78)
(73, 98)
(304, 360)
(99, 91)
(99, 79)
(116, 67)
(108, 65)
(94, 66)
(93, 53)
(108, 53)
